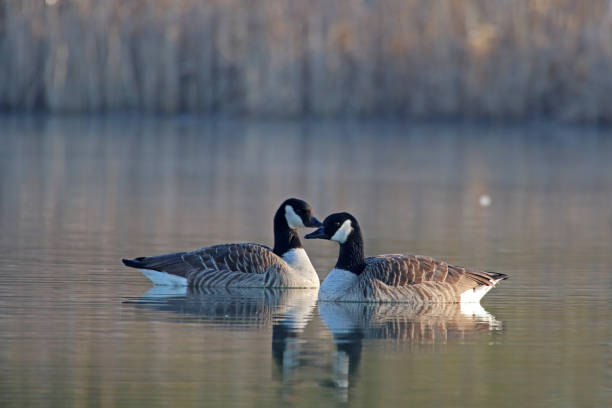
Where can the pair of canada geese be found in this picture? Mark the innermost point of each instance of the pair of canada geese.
(384, 278)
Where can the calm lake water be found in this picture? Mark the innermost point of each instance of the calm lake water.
(77, 328)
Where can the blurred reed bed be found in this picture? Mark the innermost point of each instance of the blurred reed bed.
(503, 59)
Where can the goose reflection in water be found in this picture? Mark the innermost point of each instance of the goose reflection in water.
(352, 323)
(292, 308)
(287, 311)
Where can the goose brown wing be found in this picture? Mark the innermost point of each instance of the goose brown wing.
(406, 270)
(241, 257)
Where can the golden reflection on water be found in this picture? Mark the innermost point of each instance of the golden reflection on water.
(76, 195)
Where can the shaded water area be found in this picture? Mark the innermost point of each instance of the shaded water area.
(79, 329)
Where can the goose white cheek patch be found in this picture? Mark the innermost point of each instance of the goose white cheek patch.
(343, 232)
(294, 220)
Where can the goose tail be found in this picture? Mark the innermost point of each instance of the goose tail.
(134, 263)
(475, 294)
(497, 277)
(166, 270)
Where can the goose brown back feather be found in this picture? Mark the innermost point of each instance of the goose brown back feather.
(242, 257)
(236, 265)
(420, 278)
(225, 265)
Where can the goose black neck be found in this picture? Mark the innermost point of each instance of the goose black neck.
(284, 237)
(351, 256)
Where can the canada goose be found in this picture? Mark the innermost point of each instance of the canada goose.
(394, 278)
(242, 264)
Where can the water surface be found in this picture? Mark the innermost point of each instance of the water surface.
(79, 329)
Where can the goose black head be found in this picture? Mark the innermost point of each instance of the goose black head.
(336, 227)
(298, 214)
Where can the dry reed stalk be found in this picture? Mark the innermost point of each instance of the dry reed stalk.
(416, 58)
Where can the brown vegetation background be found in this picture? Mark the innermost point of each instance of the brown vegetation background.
(502, 59)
